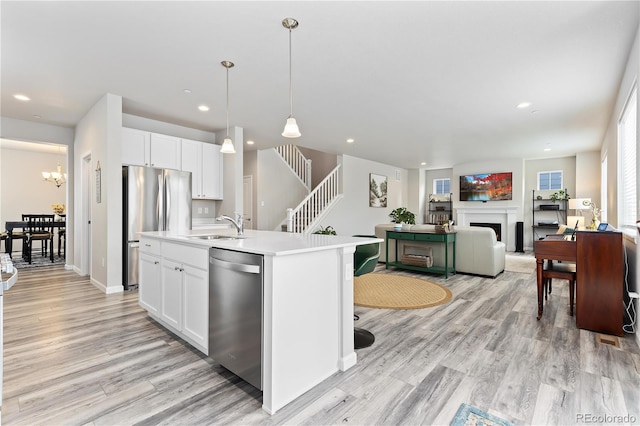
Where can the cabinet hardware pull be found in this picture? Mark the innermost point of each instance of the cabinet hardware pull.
(156, 262)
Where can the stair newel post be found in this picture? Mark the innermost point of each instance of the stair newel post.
(289, 219)
(308, 173)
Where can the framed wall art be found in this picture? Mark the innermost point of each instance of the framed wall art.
(377, 190)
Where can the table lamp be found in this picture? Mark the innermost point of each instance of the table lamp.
(578, 204)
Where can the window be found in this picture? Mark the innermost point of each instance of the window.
(550, 180)
(627, 164)
(442, 186)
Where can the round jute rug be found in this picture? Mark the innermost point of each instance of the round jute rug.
(389, 291)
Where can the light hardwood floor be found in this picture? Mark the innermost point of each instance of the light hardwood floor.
(73, 355)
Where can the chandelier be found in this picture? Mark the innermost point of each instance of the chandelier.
(57, 177)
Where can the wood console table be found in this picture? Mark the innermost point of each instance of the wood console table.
(431, 237)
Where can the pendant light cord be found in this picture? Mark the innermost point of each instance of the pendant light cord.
(290, 78)
(227, 101)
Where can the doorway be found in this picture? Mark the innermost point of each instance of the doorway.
(85, 216)
(247, 202)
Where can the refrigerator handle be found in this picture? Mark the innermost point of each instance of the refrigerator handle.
(161, 206)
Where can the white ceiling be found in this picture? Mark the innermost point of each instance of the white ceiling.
(410, 81)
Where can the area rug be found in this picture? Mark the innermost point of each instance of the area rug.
(472, 416)
(389, 291)
(520, 263)
(36, 261)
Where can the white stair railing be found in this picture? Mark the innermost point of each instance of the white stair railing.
(303, 217)
(299, 164)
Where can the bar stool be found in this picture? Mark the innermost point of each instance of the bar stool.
(561, 271)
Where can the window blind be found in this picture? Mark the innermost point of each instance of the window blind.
(627, 142)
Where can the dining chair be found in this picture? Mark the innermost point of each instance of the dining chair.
(15, 231)
(365, 260)
(39, 228)
(62, 235)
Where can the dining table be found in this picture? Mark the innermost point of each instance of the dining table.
(10, 226)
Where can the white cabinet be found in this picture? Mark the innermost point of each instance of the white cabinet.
(204, 161)
(149, 295)
(141, 148)
(164, 152)
(171, 304)
(174, 289)
(135, 147)
(195, 305)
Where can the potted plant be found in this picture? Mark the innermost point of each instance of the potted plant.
(559, 195)
(402, 215)
(326, 231)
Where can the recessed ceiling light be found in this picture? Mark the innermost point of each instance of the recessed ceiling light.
(22, 97)
(203, 108)
(350, 140)
(187, 91)
(547, 149)
(37, 116)
(250, 142)
(523, 105)
(424, 163)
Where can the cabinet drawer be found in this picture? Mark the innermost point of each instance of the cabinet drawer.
(151, 246)
(428, 237)
(400, 235)
(195, 256)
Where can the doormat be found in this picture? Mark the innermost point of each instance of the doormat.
(472, 416)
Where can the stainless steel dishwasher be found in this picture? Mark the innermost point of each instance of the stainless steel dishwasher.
(235, 312)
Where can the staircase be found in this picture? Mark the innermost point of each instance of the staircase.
(315, 206)
(298, 163)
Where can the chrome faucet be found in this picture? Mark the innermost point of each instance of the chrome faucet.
(237, 223)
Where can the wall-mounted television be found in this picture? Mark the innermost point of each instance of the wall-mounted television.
(486, 187)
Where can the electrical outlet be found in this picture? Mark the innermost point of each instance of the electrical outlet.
(206, 209)
(199, 210)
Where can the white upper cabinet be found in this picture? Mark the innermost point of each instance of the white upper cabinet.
(141, 148)
(204, 161)
(135, 147)
(165, 152)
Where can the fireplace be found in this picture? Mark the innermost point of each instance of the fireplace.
(495, 226)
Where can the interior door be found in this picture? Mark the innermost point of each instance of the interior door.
(247, 202)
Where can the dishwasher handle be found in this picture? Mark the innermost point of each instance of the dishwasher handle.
(238, 267)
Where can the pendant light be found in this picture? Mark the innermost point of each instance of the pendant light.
(291, 127)
(227, 145)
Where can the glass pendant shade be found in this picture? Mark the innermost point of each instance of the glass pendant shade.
(291, 129)
(227, 146)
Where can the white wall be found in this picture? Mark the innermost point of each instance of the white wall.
(352, 215)
(587, 183)
(277, 189)
(233, 171)
(163, 128)
(99, 133)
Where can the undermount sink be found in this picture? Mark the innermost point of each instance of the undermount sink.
(215, 237)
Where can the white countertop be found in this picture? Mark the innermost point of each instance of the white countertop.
(269, 243)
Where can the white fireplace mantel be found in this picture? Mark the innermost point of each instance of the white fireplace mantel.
(505, 216)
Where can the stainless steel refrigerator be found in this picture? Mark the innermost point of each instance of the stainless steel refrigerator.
(153, 200)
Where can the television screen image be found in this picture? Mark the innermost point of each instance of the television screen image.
(486, 187)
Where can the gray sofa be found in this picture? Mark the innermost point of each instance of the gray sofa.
(477, 249)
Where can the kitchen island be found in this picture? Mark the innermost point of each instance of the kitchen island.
(307, 300)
